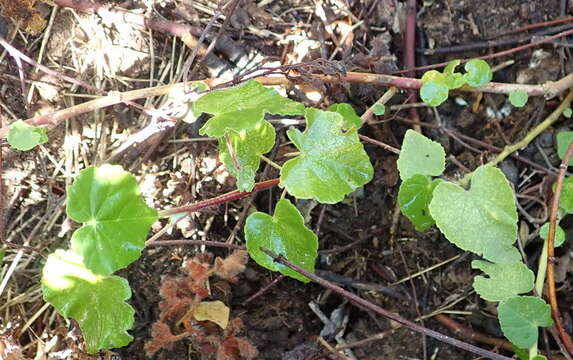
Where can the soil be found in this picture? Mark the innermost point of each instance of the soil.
(175, 168)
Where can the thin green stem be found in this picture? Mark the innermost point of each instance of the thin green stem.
(270, 162)
(510, 149)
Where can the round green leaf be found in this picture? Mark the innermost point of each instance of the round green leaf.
(332, 162)
(247, 146)
(478, 72)
(559, 234)
(242, 108)
(566, 200)
(284, 234)
(564, 138)
(435, 87)
(482, 220)
(348, 114)
(96, 302)
(518, 98)
(414, 198)
(567, 112)
(519, 318)
(22, 136)
(505, 280)
(379, 109)
(420, 155)
(453, 79)
(116, 220)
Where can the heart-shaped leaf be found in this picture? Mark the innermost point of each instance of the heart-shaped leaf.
(505, 280)
(116, 219)
(284, 234)
(24, 137)
(332, 162)
(519, 318)
(242, 108)
(478, 72)
(414, 198)
(482, 220)
(242, 158)
(420, 155)
(351, 119)
(96, 302)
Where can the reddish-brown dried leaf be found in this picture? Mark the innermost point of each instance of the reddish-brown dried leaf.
(232, 265)
(161, 337)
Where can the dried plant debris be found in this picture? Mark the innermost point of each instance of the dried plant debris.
(25, 13)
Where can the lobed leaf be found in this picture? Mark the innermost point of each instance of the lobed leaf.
(242, 108)
(96, 302)
(284, 234)
(115, 218)
(332, 162)
(564, 138)
(519, 318)
(420, 155)
(559, 234)
(24, 137)
(414, 198)
(505, 280)
(518, 98)
(478, 72)
(351, 119)
(244, 157)
(483, 219)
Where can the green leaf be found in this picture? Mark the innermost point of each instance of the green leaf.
(519, 318)
(435, 88)
(284, 234)
(564, 138)
(2, 254)
(420, 155)
(453, 79)
(523, 354)
(567, 112)
(244, 158)
(116, 220)
(559, 234)
(478, 72)
(482, 220)
(332, 162)
(242, 108)
(96, 302)
(379, 109)
(414, 198)
(22, 136)
(348, 114)
(566, 200)
(505, 280)
(451, 67)
(518, 98)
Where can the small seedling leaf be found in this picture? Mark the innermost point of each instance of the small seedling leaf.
(518, 98)
(559, 234)
(519, 318)
(351, 119)
(453, 79)
(482, 219)
(564, 138)
(451, 67)
(566, 200)
(214, 311)
(379, 109)
(243, 160)
(284, 234)
(420, 155)
(24, 137)
(115, 218)
(478, 72)
(414, 198)
(505, 281)
(96, 302)
(242, 108)
(567, 113)
(332, 162)
(435, 88)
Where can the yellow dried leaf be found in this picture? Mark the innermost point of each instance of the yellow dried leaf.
(214, 311)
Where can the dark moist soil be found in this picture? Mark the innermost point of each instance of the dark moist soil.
(280, 322)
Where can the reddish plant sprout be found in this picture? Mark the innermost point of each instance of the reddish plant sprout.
(181, 294)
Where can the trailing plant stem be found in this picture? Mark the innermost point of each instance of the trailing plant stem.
(270, 162)
(230, 196)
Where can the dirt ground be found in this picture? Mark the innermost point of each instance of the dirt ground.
(175, 166)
